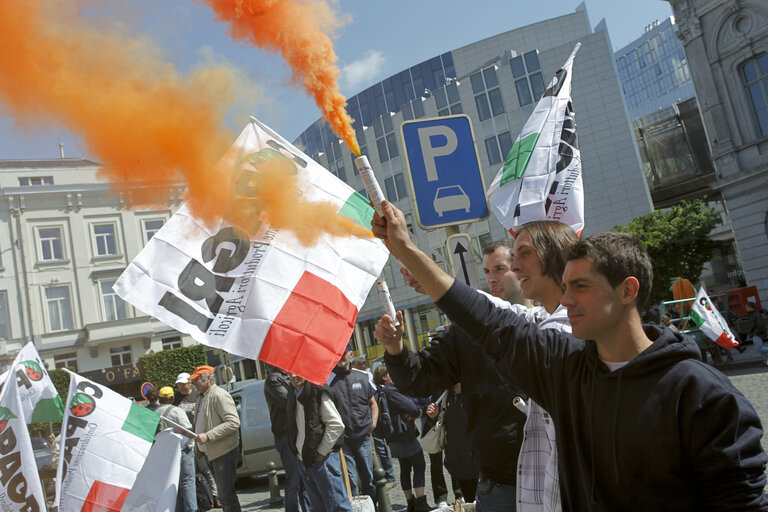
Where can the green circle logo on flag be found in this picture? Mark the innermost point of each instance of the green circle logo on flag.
(5, 415)
(34, 372)
(82, 405)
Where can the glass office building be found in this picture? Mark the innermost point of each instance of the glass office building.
(496, 82)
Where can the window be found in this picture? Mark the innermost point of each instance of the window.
(755, 73)
(106, 244)
(395, 186)
(171, 342)
(5, 324)
(59, 308)
(485, 85)
(386, 142)
(67, 360)
(50, 244)
(121, 355)
(151, 227)
(447, 100)
(529, 83)
(36, 181)
(115, 308)
(498, 147)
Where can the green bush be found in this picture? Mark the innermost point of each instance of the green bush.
(161, 369)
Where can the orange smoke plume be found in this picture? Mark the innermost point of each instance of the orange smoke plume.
(295, 29)
(143, 120)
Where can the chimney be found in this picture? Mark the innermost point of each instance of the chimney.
(61, 149)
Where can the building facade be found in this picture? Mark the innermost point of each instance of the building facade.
(496, 82)
(66, 237)
(726, 44)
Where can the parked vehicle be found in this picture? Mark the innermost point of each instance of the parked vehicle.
(42, 453)
(257, 444)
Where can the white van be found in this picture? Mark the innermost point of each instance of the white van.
(257, 444)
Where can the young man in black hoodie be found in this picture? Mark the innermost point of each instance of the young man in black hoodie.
(642, 423)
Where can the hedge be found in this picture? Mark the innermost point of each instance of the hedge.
(162, 368)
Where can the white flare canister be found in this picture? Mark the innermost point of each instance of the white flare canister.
(369, 180)
(386, 300)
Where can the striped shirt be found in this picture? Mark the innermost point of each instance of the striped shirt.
(538, 482)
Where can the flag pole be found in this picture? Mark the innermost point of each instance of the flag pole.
(184, 430)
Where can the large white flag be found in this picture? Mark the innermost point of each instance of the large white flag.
(39, 398)
(20, 487)
(157, 484)
(105, 439)
(711, 322)
(541, 176)
(269, 298)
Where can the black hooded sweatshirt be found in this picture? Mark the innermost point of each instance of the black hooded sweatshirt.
(665, 432)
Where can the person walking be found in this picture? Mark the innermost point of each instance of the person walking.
(315, 435)
(276, 390)
(404, 441)
(218, 434)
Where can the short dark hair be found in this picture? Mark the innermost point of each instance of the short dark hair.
(166, 399)
(551, 239)
(617, 256)
(506, 243)
(379, 373)
(152, 394)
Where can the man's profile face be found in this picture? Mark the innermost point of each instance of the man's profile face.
(594, 306)
(499, 277)
(184, 388)
(345, 359)
(528, 268)
(203, 382)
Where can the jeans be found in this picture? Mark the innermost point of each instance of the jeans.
(385, 457)
(493, 496)
(359, 456)
(326, 486)
(761, 345)
(296, 484)
(186, 499)
(224, 470)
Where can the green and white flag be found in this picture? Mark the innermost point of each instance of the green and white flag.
(39, 399)
(541, 177)
(20, 487)
(711, 322)
(105, 439)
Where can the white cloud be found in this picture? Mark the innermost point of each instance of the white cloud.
(363, 71)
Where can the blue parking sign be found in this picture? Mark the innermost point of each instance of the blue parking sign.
(446, 179)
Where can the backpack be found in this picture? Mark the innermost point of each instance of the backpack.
(384, 425)
(204, 493)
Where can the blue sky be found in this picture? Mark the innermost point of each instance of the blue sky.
(379, 39)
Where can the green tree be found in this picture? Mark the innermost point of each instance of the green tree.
(161, 369)
(677, 240)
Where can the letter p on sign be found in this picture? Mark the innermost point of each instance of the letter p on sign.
(430, 152)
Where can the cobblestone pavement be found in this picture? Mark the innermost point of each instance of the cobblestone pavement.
(747, 372)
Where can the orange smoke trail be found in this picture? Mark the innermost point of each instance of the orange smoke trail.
(134, 112)
(295, 29)
(140, 118)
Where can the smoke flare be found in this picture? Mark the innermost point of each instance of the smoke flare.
(294, 28)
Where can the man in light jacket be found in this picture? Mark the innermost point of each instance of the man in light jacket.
(217, 427)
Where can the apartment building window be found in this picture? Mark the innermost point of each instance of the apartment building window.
(755, 73)
(37, 181)
(529, 82)
(67, 360)
(121, 355)
(151, 227)
(171, 342)
(485, 86)
(59, 308)
(115, 307)
(51, 247)
(395, 186)
(498, 147)
(106, 243)
(5, 319)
